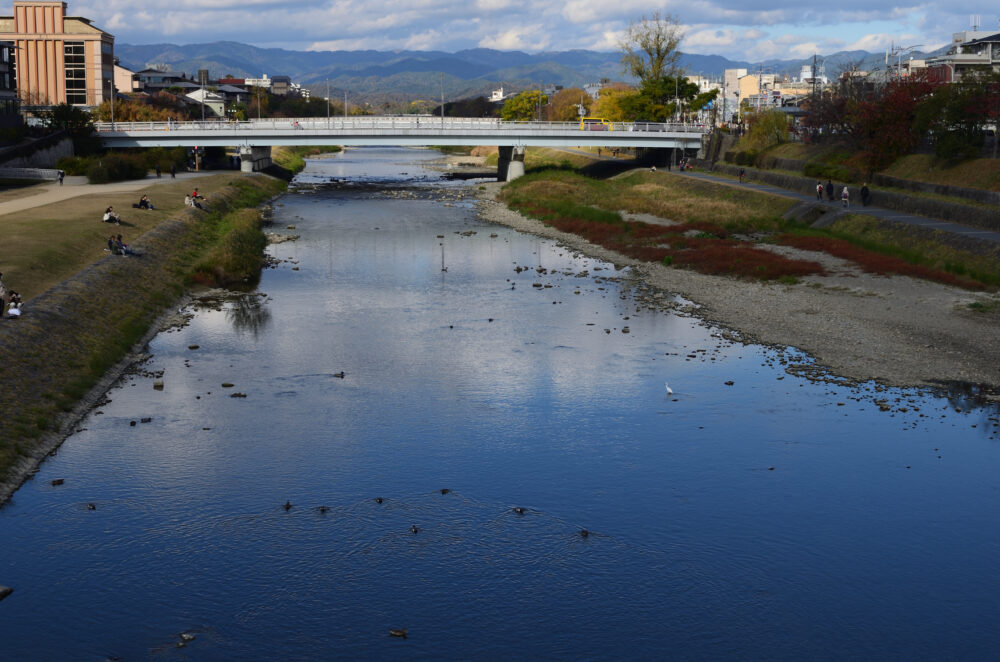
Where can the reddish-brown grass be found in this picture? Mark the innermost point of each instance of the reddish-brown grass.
(710, 255)
(876, 263)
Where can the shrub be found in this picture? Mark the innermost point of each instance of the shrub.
(116, 168)
(824, 171)
(74, 165)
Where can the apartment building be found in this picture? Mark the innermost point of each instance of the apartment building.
(58, 58)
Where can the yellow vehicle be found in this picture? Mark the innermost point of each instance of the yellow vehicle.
(596, 124)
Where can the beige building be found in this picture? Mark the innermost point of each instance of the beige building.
(58, 58)
(126, 81)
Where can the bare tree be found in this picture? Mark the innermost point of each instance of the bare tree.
(649, 48)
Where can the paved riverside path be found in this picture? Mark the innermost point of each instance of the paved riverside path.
(74, 187)
(856, 208)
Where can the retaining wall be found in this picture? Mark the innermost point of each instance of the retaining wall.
(981, 217)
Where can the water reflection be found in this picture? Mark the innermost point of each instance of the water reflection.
(755, 514)
(248, 313)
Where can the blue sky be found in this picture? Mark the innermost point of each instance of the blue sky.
(745, 29)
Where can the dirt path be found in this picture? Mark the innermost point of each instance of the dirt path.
(74, 187)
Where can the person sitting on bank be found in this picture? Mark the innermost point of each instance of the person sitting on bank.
(111, 216)
(144, 203)
(190, 201)
(14, 307)
(124, 248)
(113, 246)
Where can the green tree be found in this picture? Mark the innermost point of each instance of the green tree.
(76, 122)
(765, 128)
(959, 113)
(524, 106)
(649, 47)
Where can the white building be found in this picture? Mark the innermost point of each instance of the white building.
(215, 104)
(263, 81)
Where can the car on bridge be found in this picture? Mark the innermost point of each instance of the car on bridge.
(646, 125)
(596, 124)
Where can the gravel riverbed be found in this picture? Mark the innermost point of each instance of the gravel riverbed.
(898, 331)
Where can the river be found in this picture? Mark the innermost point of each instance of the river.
(751, 514)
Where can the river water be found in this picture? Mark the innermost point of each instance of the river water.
(776, 517)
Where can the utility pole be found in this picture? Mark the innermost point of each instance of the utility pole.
(814, 76)
(327, 103)
(442, 100)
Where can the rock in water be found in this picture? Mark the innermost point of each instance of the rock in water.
(5, 591)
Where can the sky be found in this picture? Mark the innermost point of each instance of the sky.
(751, 30)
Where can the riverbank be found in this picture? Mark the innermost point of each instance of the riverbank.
(895, 330)
(61, 356)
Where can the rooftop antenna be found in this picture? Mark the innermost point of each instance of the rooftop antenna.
(974, 20)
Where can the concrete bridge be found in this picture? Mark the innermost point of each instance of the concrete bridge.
(253, 139)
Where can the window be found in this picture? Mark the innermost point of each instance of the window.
(76, 73)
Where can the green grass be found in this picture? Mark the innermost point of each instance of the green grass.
(293, 159)
(94, 331)
(453, 149)
(711, 214)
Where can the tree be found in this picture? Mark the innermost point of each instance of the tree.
(649, 47)
(885, 125)
(615, 103)
(565, 105)
(959, 114)
(662, 99)
(131, 110)
(524, 106)
(765, 128)
(76, 122)
(880, 121)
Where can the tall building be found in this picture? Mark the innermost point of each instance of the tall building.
(58, 58)
(10, 115)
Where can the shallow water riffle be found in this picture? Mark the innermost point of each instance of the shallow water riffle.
(404, 366)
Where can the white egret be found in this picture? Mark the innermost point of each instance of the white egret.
(670, 391)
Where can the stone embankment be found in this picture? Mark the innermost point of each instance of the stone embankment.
(980, 214)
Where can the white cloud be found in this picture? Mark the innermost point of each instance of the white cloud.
(744, 29)
(527, 38)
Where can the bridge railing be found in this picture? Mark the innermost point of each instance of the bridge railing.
(382, 124)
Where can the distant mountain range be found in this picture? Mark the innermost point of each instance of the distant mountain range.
(408, 75)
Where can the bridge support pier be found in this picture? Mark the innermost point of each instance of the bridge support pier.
(510, 164)
(254, 159)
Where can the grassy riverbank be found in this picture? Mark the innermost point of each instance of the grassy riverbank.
(293, 159)
(74, 332)
(717, 229)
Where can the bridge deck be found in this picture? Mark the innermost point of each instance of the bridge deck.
(399, 130)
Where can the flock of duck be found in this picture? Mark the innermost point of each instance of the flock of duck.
(518, 510)
(414, 529)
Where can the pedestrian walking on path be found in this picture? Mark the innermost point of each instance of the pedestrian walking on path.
(829, 190)
(743, 173)
(62, 176)
(845, 196)
(865, 195)
(819, 191)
